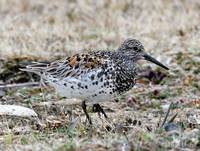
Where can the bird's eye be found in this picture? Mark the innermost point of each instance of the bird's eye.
(135, 48)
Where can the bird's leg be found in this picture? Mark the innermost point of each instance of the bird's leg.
(86, 113)
(96, 109)
(99, 109)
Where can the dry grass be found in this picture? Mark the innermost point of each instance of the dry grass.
(46, 30)
(43, 28)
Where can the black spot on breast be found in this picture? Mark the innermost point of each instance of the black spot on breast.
(94, 95)
(113, 75)
(100, 74)
(106, 73)
(65, 84)
(92, 77)
(79, 84)
(90, 59)
(101, 80)
(86, 87)
(105, 65)
(96, 82)
(72, 87)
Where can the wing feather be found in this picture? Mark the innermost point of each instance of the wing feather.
(71, 66)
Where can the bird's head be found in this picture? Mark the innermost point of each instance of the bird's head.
(135, 50)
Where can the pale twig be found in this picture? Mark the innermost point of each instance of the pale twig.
(63, 102)
(167, 115)
(173, 117)
(17, 85)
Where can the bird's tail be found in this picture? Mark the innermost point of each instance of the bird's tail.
(36, 67)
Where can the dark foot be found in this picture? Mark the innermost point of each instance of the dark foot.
(99, 109)
(85, 111)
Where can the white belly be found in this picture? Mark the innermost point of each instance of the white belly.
(92, 91)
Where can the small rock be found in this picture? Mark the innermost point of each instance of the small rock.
(165, 107)
(170, 127)
(2, 93)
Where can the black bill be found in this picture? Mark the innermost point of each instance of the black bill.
(151, 59)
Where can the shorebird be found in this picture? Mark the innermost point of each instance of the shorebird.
(95, 76)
